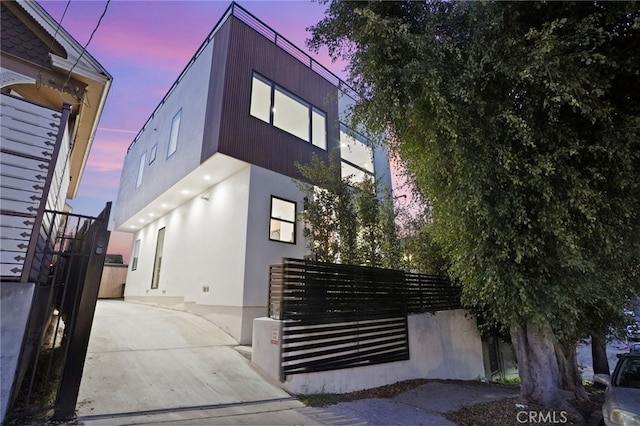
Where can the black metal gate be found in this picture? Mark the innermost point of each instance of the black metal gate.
(70, 257)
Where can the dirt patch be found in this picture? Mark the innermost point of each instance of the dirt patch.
(388, 391)
(511, 411)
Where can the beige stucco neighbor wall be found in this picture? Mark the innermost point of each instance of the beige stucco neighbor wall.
(114, 277)
(445, 345)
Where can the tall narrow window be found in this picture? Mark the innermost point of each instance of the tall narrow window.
(319, 128)
(157, 263)
(152, 154)
(261, 99)
(143, 161)
(282, 225)
(173, 136)
(284, 110)
(134, 255)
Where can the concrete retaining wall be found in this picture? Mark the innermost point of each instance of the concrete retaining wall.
(15, 305)
(444, 345)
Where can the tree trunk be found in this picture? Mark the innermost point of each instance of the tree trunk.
(570, 378)
(599, 356)
(537, 365)
(599, 353)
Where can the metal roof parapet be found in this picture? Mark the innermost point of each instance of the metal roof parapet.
(270, 34)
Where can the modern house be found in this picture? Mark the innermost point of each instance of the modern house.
(207, 185)
(52, 95)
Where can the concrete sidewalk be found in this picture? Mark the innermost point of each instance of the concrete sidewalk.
(285, 411)
(424, 405)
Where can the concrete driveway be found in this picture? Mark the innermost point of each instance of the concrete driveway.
(144, 359)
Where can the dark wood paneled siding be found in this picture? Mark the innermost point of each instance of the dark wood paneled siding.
(250, 139)
(211, 133)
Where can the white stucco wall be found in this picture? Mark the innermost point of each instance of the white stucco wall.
(262, 252)
(190, 95)
(223, 244)
(446, 345)
(204, 246)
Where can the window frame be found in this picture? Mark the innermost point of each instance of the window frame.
(173, 137)
(311, 108)
(135, 255)
(294, 222)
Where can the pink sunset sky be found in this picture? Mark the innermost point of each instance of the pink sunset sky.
(145, 45)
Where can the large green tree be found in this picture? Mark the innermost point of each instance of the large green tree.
(521, 121)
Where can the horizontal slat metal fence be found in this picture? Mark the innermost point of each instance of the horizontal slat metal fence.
(340, 316)
(430, 293)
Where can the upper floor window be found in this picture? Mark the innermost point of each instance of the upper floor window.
(284, 110)
(356, 154)
(173, 136)
(282, 225)
(143, 161)
(152, 155)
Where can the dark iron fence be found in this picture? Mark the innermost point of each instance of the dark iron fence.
(340, 316)
(74, 247)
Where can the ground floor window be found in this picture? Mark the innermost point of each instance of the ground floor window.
(157, 263)
(282, 225)
(134, 255)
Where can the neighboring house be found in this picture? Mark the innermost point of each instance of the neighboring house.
(44, 149)
(207, 185)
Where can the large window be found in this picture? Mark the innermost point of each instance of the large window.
(143, 161)
(284, 110)
(157, 263)
(134, 255)
(356, 154)
(282, 224)
(173, 136)
(290, 115)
